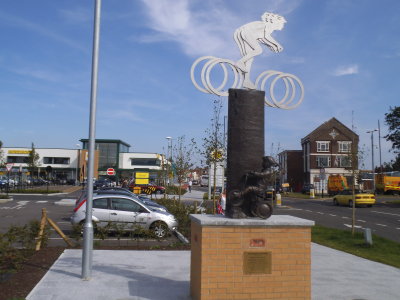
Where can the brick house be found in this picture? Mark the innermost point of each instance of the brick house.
(291, 168)
(326, 150)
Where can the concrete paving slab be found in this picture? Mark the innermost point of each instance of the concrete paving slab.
(118, 275)
(129, 275)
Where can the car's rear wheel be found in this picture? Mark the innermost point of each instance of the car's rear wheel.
(335, 202)
(160, 229)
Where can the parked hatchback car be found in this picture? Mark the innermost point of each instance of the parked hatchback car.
(122, 191)
(345, 197)
(126, 212)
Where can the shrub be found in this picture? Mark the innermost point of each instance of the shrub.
(181, 213)
(18, 243)
(35, 191)
(174, 190)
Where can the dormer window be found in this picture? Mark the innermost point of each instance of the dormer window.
(323, 146)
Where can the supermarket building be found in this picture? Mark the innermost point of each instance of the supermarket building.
(70, 164)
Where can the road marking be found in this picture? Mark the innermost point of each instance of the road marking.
(321, 213)
(398, 228)
(383, 225)
(308, 210)
(332, 215)
(20, 204)
(385, 213)
(42, 201)
(348, 225)
(362, 221)
(345, 218)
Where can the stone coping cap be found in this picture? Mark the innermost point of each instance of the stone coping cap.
(274, 220)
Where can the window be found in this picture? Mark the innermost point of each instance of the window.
(344, 161)
(145, 162)
(100, 203)
(322, 146)
(323, 161)
(125, 205)
(344, 147)
(17, 159)
(56, 160)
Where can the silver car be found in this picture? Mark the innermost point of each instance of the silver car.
(124, 212)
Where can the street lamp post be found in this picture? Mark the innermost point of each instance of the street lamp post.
(87, 251)
(77, 164)
(372, 158)
(169, 155)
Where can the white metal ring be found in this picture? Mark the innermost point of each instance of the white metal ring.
(288, 101)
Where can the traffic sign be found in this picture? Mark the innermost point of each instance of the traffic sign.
(9, 166)
(110, 171)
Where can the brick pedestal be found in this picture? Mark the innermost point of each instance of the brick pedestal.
(250, 258)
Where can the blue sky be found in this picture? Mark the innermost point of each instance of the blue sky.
(347, 54)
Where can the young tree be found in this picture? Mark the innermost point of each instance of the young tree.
(214, 148)
(392, 119)
(33, 160)
(2, 162)
(182, 160)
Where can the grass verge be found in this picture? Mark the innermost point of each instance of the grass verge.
(383, 250)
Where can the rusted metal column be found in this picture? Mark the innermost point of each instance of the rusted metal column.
(245, 143)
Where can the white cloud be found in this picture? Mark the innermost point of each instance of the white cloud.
(204, 30)
(77, 15)
(37, 74)
(346, 70)
(12, 20)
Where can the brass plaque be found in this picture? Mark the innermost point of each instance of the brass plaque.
(257, 263)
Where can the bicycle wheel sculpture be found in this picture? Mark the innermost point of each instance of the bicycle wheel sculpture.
(291, 99)
(248, 39)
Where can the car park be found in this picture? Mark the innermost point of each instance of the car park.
(126, 213)
(345, 197)
(100, 183)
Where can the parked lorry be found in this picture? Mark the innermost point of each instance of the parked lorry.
(336, 184)
(387, 184)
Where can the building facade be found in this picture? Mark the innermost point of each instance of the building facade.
(327, 150)
(291, 169)
(71, 164)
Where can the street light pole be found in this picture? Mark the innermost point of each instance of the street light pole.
(87, 253)
(77, 164)
(169, 139)
(372, 157)
(380, 148)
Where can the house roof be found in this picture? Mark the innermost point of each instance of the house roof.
(332, 123)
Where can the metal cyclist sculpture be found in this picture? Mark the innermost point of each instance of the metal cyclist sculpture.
(248, 38)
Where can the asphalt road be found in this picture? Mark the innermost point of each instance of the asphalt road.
(383, 218)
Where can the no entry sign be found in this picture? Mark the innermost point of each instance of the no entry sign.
(110, 171)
